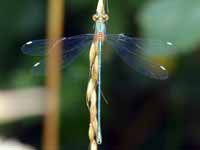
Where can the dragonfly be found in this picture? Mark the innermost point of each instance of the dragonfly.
(129, 49)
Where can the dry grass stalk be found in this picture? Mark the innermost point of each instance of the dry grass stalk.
(92, 95)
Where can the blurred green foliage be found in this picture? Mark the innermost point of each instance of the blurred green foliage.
(142, 113)
(175, 20)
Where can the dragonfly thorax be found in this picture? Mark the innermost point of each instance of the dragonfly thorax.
(100, 36)
(100, 27)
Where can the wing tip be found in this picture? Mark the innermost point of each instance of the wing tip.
(24, 47)
(161, 74)
(164, 75)
(38, 69)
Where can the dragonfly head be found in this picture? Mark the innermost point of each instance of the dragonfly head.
(100, 17)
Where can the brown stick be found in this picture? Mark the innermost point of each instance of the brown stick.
(51, 122)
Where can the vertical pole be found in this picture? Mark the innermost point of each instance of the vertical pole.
(54, 32)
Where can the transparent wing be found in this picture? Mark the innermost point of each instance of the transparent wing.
(131, 52)
(142, 45)
(38, 47)
(72, 48)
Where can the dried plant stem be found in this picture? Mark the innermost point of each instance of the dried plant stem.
(92, 95)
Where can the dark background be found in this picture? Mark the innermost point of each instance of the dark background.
(142, 113)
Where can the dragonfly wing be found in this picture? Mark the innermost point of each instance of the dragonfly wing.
(130, 51)
(34, 48)
(39, 68)
(38, 47)
(72, 48)
(139, 44)
(67, 58)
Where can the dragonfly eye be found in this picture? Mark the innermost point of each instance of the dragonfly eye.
(95, 17)
(105, 17)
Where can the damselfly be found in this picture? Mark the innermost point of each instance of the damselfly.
(128, 48)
